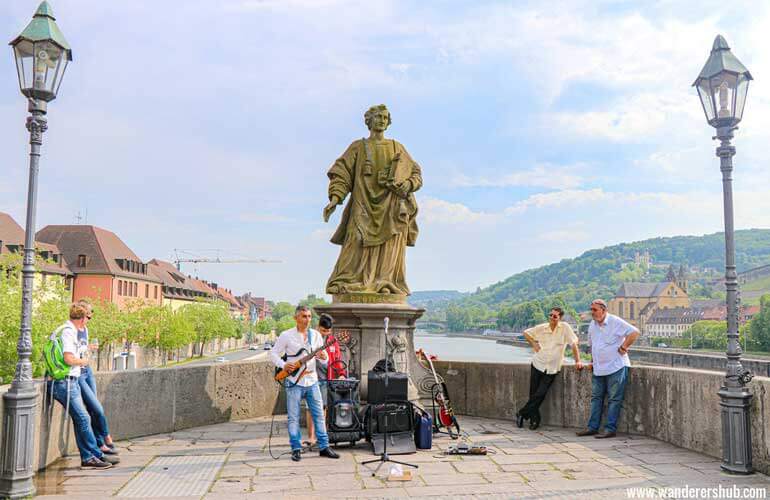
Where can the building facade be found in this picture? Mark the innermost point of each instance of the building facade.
(637, 302)
(105, 268)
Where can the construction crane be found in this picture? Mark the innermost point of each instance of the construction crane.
(215, 260)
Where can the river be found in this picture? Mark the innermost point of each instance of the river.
(468, 349)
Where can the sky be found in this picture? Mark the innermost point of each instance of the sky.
(543, 129)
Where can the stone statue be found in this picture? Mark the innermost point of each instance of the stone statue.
(378, 222)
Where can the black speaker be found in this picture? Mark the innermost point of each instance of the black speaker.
(398, 416)
(343, 423)
(397, 389)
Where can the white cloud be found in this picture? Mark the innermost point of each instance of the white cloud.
(558, 199)
(435, 211)
(544, 175)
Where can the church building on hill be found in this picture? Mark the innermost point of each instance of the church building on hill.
(636, 302)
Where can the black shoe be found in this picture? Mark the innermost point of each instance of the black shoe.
(110, 459)
(95, 463)
(296, 455)
(519, 420)
(328, 453)
(111, 450)
(605, 435)
(586, 432)
(534, 424)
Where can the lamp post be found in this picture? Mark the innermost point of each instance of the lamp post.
(722, 87)
(41, 54)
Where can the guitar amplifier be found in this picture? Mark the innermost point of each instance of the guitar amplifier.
(394, 416)
(397, 389)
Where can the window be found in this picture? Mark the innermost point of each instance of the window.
(133, 289)
(146, 291)
(120, 287)
(631, 311)
(621, 312)
(156, 292)
(81, 260)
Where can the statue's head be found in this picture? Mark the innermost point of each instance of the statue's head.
(377, 118)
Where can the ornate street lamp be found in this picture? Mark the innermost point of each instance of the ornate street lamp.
(42, 55)
(722, 87)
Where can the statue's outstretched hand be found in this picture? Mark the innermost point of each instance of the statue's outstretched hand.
(329, 209)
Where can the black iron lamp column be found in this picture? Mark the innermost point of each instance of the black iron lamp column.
(722, 87)
(41, 54)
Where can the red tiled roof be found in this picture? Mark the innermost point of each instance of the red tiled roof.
(12, 234)
(101, 247)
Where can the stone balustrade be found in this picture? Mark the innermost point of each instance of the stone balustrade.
(679, 406)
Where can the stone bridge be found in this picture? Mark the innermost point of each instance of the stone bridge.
(202, 431)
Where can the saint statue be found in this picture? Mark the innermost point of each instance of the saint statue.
(378, 222)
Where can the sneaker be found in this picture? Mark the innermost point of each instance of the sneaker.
(328, 453)
(112, 459)
(296, 455)
(110, 450)
(95, 463)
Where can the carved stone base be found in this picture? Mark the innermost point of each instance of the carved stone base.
(365, 323)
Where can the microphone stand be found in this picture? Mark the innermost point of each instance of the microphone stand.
(384, 457)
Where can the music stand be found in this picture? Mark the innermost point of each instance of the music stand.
(384, 457)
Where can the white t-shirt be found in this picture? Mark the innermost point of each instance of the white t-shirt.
(70, 343)
(290, 343)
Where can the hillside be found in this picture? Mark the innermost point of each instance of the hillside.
(599, 272)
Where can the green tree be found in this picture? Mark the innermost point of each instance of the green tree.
(266, 326)
(50, 305)
(759, 330)
(282, 309)
(285, 323)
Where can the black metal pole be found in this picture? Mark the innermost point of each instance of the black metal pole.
(21, 399)
(735, 396)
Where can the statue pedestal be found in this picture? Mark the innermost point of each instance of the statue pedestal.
(365, 324)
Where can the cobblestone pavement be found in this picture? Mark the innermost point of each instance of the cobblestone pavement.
(548, 463)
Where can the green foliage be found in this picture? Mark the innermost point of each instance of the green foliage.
(50, 303)
(759, 327)
(282, 309)
(594, 274)
(266, 325)
(285, 323)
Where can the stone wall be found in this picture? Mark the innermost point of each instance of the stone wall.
(143, 402)
(679, 406)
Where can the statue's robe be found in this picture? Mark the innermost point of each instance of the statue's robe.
(377, 223)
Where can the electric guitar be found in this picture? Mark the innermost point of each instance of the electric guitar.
(300, 371)
(446, 416)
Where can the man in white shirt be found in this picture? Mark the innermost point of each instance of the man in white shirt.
(67, 391)
(610, 338)
(294, 344)
(548, 340)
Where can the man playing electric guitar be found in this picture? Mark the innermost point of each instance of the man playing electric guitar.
(294, 344)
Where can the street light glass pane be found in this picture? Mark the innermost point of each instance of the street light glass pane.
(24, 51)
(704, 92)
(723, 89)
(47, 57)
(740, 100)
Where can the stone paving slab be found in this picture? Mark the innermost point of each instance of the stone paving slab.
(548, 463)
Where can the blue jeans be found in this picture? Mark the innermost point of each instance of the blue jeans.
(81, 421)
(614, 386)
(312, 396)
(94, 407)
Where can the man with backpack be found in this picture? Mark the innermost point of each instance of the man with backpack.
(63, 364)
(87, 384)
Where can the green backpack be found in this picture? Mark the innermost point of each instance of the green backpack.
(53, 356)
